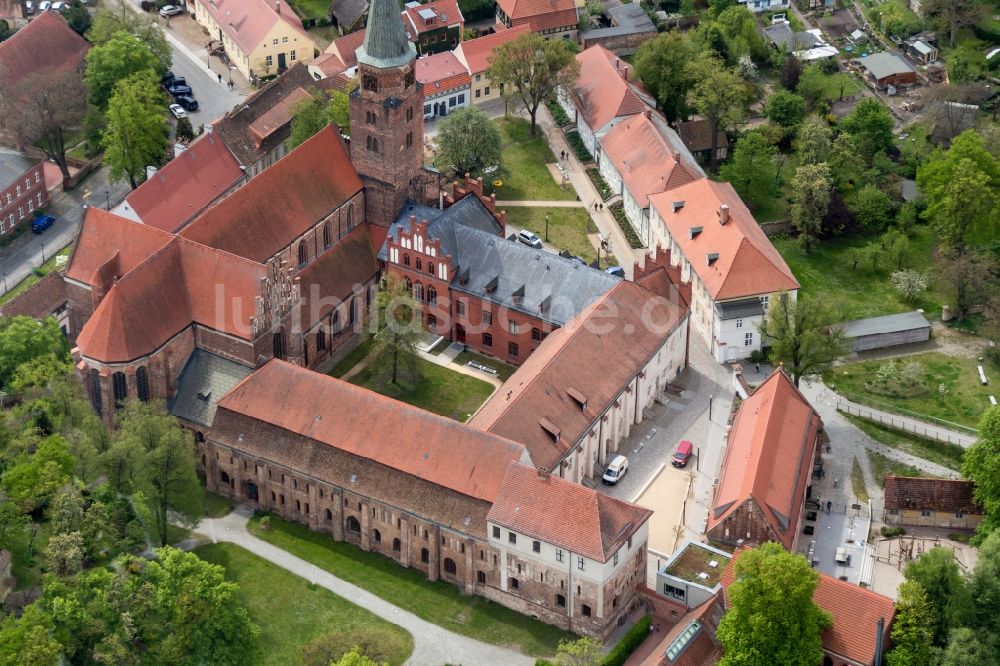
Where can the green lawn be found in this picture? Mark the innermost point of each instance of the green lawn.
(33, 277)
(504, 370)
(775, 208)
(963, 403)
(947, 455)
(308, 9)
(439, 602)
(437, 390)
(568, 229)
(832, 83)
(215, 506)
(827, 274)
(289, 610)
(525, 174)
(353, 357)
(881, 466)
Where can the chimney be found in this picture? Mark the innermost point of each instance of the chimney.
(543, 472)
(208, 128)
(277, 6)
(723, 213)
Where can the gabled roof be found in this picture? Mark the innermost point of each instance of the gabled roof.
(346, 48)
(348, 12)
(769, 456)
(887, 63)
(41, 300)
(856, 613)
(565, 514)
(385, 44)
(277, 116)
(602, 92)
(747, 265)
(697, 136)
(205, 379)
(113, 243)
(183, 188)
(366, 424)
(439, 13)
(283, 202)
(327, 64)
(579, 370)
(334, 275)
(248, 22)
(47, 42)
(649, 156)
(541, 14)
(476, 53)
(441, 72)
(923, 494)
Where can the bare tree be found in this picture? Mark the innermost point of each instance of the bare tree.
(956, 14)
(953, 109)
(972, 278)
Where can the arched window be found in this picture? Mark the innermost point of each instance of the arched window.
(326, 235)
(298, 506)
(425, 555)
(432, 295)
(224, 478)
(353, 525)
(142, 383)
(352, 312)
(420, 264)
(320, 340)
(449, 566)
(418, 292)
(120, 388)
(302, 254)
(335, 321)
(406, 259)
(396, 545)
(328, 516)
(368, 142)
(481, 577)
(408, 284)
(350, 207)
(374, 145)
(430, 267)
(95, 392)
(278, 343)
(377, 536)
(513, 583)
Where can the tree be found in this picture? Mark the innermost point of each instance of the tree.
(355, 658)
(947, 593)
(971, 276)
(78, 17)
(64, 553)
(113, 62)
(399, 326)
(25, 641)
(533, 69)
(812, 87)
(910, 284)
(5, 31)
(23, 339)
(984, 587)
(812, 141)
(719, 95)
(966, 649)
(791, 72)
(470, 141)
(811, 196)
(311, 115)
(871, 124)
(13, 528)
(786, 108)
(35, 477)
(117, 17)
(376, 643)
(872, 206)
(583, 651)
(741, 35)
(912, 628)
(65, 510)
(981, 464)
(752, 168)
(956, 14)
(662, 64)
(136, 136)
(184, 130)
(772, 617)
(802, 335)
(846, 162)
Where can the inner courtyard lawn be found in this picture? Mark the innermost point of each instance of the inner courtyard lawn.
(289, 610)
(440, 603)
(568, 229)
(525, 174)
(309, 9)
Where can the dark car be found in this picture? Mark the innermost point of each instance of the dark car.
(189, 103)
(179, 90)
(41, 223)
(167, 78)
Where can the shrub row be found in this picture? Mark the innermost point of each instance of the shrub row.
(558, 113)
(598, 180)
(620, 653)
(633, 238)
(576, 143)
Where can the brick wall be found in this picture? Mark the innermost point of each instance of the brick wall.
(20, 199)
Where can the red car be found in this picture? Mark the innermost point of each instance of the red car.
(682, 454)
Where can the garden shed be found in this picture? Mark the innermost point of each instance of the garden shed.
(886, 331)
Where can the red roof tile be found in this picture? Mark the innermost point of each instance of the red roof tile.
(441, 72)
(107, 240)
(46, 42)
(748, 265)
(292, 196)
(328, 64)
(923, 494)
(248, 22)
(40, 300)
(446, 11)
(279, 114)
(566, 514)
(346, 47)
(476, 53)
(769, 456)
(541, 14)
(602, 93)
(353, 419)
(334, 275)
(186, 186)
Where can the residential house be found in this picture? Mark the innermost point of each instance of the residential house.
(630, 27)
(260, 37)
(731, 265)
(22, 189)
(348, 15)
(345, 48)
(764, 5)
(603, 95)
(643, 156)
(552, 19)
(766, 474)
(807, 45)
(697, 136)
(476, 54)
(928, 502)
(889, 68)
(46, 298)
(434, 26)
(446, 81)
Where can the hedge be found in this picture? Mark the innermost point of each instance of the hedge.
(629, 643)
(576, 143)
(598, 180)
(618, 210)
(558, 113)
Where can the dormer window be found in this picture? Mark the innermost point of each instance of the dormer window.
(712, 257)
(551, 428)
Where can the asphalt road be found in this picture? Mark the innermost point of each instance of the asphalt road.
(214, 99)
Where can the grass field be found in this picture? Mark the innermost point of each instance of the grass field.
(289, 610)
(525, 176)
(32, 278)
(353, 357)
(775, 208)
(881, 466)
(858, 481)
(827, 274)
(947, 455)
(437, 389)
(439, 602)
(568, 229)
(309, 9)
(215, 506)
(832, 83)
(963, 403)
(504, 370)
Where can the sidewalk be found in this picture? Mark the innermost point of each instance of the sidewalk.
(431, 643)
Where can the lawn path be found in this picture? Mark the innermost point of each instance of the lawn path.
(432, 645)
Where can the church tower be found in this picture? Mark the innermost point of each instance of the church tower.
(387, 114)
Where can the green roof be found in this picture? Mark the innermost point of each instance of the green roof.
(385, 42)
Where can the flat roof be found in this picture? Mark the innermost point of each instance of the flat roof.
(904, 321)
(694, 564)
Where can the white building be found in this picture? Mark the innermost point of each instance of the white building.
(447, 85)
(764, 5)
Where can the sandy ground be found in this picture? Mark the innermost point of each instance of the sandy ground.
(665, 497)
(891, 558)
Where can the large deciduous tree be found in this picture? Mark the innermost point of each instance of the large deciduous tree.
(470, 141)
(119, 16)
(812, 141)
(399, 327)
(955, 14)
(111, 63)
(311, 115)
(871, 124)
(811, 198)
(663, 64)
(772, 617)
(971, 276)
(981, 464)
(984, 586)
(23, 339)
(753, 168)
(719, 95)
(136, 136)
(802, 335)
(947, 591)
(532, 69)
(912, 628)
(785, 108)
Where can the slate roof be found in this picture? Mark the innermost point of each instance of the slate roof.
(886, 63)
(627, 19)
(47, 42)
(924, 494)
(41, 300)
(13, 165)
(385, 44)
(602, 93)
(541, 14)
(566, 514)
(248, 22)
(348, 12)
(696, 136)
(204, 380)
(894, 323)
(750, 307)
(476, 53)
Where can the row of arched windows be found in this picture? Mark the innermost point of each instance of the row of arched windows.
(303, 250)
(119, 388)
(420, 294)
(419, 264)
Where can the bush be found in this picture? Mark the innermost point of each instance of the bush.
(576, 143)
(619, 214)
(598, 180)
(993, 356)
(910, 284)
(378, 644)
(892, 532)
(629, 642)
(558, 113)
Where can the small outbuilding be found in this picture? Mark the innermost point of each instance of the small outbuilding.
(886, 331)
(930, 502)
(889, 68)
(921, 51)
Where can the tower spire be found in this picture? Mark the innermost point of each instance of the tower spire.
(386, 44)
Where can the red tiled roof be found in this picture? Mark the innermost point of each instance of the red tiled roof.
(769, 456)
(855, 611)
(248, 22)
(541, 14)
(186, 185)
(641, 150)
(336, 273)
(346, 47)
(328, 64)
(448, 9)
(602, 93)
(748, 265)
(584, 356)
(566, 514)
(476, 53)
(923, 494)
(40, 300)
(111, 242)
(46, 42)
(353, 419)
(292, 196)
(275, 117)
(441, 72)
(697, 136)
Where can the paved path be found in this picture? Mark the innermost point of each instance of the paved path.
(905, 423)
(542, 204)
(432, 645)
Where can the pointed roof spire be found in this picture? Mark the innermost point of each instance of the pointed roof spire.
(385, 42)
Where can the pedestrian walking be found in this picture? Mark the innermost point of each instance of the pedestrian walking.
(220, 77)
(756, 367)
(602, 206)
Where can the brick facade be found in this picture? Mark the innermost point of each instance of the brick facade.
(22, 197)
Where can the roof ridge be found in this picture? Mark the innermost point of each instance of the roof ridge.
(225, 253)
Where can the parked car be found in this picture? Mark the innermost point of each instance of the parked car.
(178, 90)
(617, 271)
(59, 6)
(44, 5)
(170, 10)
(178, 111)
(189, 103)
(682, 454)
(616, 470)
(29, 8)
(530, 238)
(41, 223)
(176, 81)
(167, 78)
